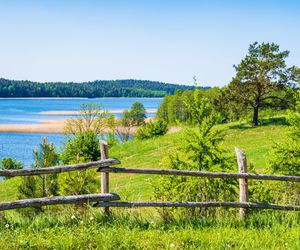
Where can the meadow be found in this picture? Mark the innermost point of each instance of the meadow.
(70, 228)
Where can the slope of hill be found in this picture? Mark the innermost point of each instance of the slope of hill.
(257, 142)
(143, 228)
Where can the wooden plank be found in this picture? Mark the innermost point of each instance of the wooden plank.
(243, 183)
(200, 174)
(104, 176)
(59, 169)
(55, 200)
(198, 204)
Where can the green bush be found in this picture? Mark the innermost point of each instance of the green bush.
(137, 113)
(151, 129)
(200, 150)
(286, 156)
(83, 147)
(10, 163)
(41, 185)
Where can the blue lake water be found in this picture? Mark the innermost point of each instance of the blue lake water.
(19, 111)
(20, 145)
(16, 111)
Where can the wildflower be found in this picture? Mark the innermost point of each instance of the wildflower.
(81, 222)
(6, 225)
(91, 218)
(73, 217)
(172, 245)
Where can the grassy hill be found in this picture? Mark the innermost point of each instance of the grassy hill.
(144, 228)
(256, 141)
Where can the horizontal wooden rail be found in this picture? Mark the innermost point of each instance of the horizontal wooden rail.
(59, 169)
(198, 204)
(200, 174)
(55, 200)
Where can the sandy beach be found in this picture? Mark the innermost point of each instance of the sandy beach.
(53, 125)
(45, 126)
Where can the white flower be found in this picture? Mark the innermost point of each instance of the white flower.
(91, 218)
(172, 245)
(73, 217)
(81, 222)
(6, 225)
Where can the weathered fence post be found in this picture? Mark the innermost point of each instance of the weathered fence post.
(243, 183)
(104, 176)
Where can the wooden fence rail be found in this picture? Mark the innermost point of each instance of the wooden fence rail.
(198, 204)
(106, 199)
(200, 174)
(55, 200)
(59, 169)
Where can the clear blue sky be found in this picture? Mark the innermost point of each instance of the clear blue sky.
(160, 40)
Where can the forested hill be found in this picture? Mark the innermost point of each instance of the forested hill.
(105, 88)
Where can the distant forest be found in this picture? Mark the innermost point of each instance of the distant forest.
(103, 88)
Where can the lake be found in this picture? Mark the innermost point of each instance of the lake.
(28, 111)
(24, 111)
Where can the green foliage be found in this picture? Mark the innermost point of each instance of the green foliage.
(286, 156)
(10, 163)
(117, 88)
(41, 185)
(137, 113)
(200, 150)
(91, 118)
(81, 148)
(262, 80)
(134, 230)
(173, 108)
(121, 128)
(151, 129)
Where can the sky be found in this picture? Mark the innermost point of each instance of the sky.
(162, 40)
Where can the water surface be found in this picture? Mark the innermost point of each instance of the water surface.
(27, 111)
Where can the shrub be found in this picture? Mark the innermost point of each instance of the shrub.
(286, 160)
(41, 185)
(81, 148)
(286, 156)
(137, 113)
(200, 150)
(10, 163)
(151, 129)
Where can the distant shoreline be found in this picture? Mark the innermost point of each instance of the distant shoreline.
(78, 112)
(73, 98)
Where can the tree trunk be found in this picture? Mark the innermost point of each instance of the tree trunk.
(255, 116)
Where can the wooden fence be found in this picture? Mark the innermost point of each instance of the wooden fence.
(106, 199)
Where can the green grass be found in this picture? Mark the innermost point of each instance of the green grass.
(144, 228)
(127, 230)
(257, 143)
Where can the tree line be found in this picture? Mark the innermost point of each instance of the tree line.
(104, 88)
(262, 82)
